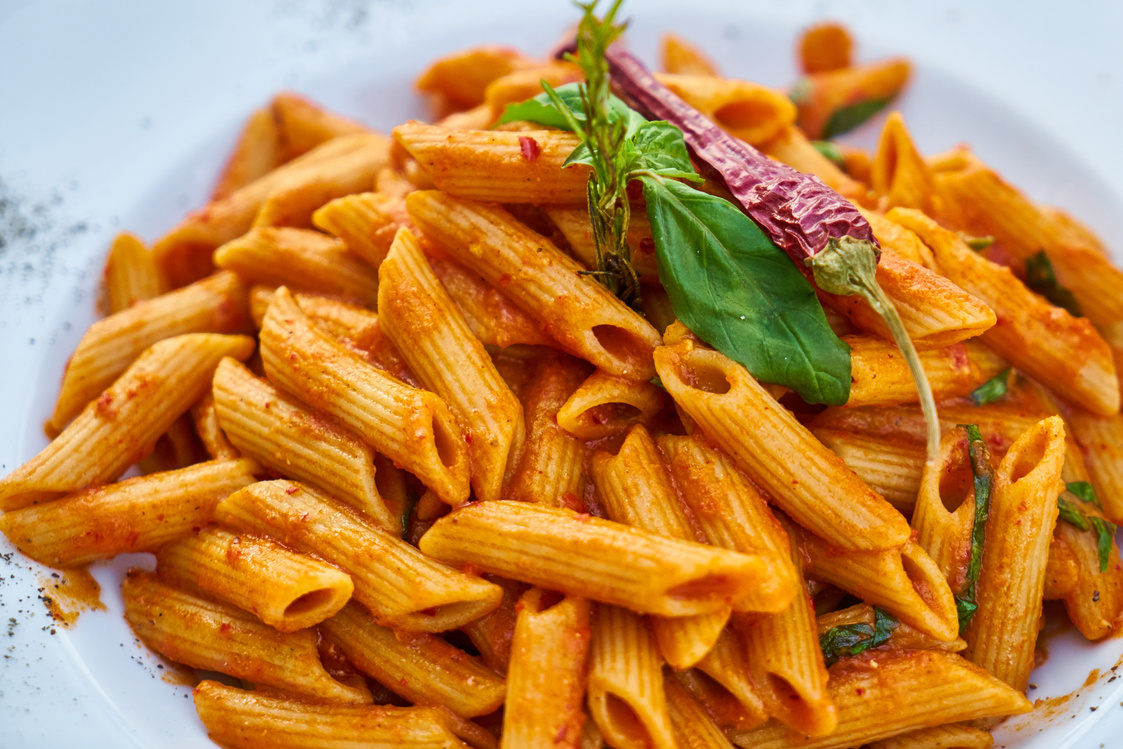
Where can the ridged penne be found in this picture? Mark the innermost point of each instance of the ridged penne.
(242, 719)
(130, 273)
(285, 436)
(412, 427)
(626, 697)
(547, 674)
(210, 433)
(302, 259)
(400, 586)
(337, 167)
(366, 222)
(214, 305)
(122, 424)
(215, 636)
(885, 693)
(765, 439)
(495, 166)
(576, 311)
(679, 56)
(420, 667)
(284, 589)
(950, 736)
(693, 727)
(605, 405)
(423, 322)
(137, 514)
(302, 125)
(551, 469)
(889, 465)
(635, 489)
(749, 111)
(1023, 512)
(592, 558)
(1076, 363)
(880, 376)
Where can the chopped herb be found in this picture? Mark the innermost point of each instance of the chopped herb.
(978, 244)
(1105, 534)
(984, 483)
(658, 382)
(1071, 513)
(847, 640)
(1041, 279)
(847, 118)
(831, 151)
(991, 390)
(1085, 492)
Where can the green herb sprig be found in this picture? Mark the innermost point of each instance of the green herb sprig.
(965, 603)
(993, 389)
(1041, 279)
(726, 280)
(847, 640)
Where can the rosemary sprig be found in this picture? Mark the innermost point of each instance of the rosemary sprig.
(603, 138)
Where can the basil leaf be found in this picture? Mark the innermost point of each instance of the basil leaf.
(542, 110)
(831, 152)
(1041, 279)
(845, 119)
(1072, 514)
(883, 625)
(659, 148)
(1105, 534)
(741, 294)
(844, 641)
(1085, 492)
(991, 390)
(984, 482)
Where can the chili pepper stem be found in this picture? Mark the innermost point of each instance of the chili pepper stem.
(848, 266)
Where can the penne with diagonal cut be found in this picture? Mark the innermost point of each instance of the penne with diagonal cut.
(805, 479)
(285, 436)
(412, 427)
(423, 322)
(579, 313)
(401, 586)
(284, 589)
(123, 423)
(214, 305)
(593, 558)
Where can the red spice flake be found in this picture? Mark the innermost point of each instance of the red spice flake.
(960, 362)
(105, 406)
(529, 147)
(560, 737)
(647, 245)
(582, 517)
(403, 681)
(470, 569)
(505, 279)
(292, 490)
(571, 501)
(225, 627)
(468, 437)
(860, 691)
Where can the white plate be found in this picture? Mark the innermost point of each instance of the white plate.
(118, 115)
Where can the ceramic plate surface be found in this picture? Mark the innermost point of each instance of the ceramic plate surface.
(118, 116)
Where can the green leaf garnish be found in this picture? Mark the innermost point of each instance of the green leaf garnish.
(1105, 534)
(1085, 492)
(993, 389)
(984, 483)
(847, 640)
(1040, 278)
(847, 118)
(1071, 513)
(741, 294)
(831, 152)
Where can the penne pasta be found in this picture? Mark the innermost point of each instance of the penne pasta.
(433, 337)
(284, 436)
(286, 590)
(400, 586)
(880, 376)
(605, 405)
(580, 314)
(718, 394)
(123, 423)
(130, 273)
(412, 427)
(598, 559)
(218, 637)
